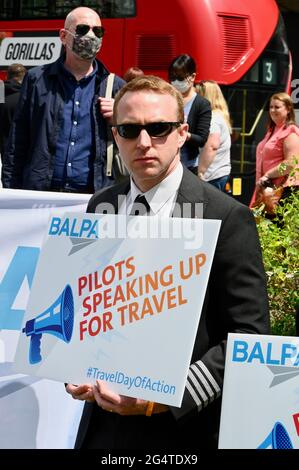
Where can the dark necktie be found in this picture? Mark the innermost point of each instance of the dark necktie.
(140, 206)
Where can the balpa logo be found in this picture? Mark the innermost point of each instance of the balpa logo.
(281, 359)
(74, 228)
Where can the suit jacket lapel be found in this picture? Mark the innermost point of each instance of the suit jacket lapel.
(116, 192)
(191, 191)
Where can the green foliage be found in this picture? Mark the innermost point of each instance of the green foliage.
(279, 239)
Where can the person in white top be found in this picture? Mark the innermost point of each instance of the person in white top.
(214, 162)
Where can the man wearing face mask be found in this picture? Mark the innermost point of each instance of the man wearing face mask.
(197, 110)
(60, 130)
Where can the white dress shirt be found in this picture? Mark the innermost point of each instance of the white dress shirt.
(161, 198)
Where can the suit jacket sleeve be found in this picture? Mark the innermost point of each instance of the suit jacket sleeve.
(236, 301)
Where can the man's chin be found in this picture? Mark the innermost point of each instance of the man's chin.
(149, 178)
(148, 173)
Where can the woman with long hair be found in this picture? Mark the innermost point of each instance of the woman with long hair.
(214, 162)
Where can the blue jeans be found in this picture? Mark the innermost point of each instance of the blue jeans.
(220, 183)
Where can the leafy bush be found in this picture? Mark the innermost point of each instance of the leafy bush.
(279, 239)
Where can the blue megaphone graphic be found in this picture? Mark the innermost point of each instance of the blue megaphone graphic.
(57, 320)
(278, 438)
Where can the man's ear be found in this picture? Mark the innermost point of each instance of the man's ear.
(62, 35)
(183, 130)
(115, 134)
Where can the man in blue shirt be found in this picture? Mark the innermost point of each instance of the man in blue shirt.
(59, 135)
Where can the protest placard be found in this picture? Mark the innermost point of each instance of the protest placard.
(260, 404)
(118, 298)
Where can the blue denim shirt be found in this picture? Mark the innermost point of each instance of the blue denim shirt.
(75, 148)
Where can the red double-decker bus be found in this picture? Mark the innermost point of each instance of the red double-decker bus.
(241, 45)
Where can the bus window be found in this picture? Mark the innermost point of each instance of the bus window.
(34, 9)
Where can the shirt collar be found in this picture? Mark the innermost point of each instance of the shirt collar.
(69, 74)
(162, 192)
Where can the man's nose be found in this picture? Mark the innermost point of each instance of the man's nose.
(144, 139)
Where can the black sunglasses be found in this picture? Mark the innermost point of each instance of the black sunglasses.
(82, 29)
(154, 129)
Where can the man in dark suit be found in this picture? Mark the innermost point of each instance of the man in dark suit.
(149, 131)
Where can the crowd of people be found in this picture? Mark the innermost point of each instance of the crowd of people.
(60, 143)
(175, 140)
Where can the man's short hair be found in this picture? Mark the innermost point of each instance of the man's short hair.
(133, 72)
(16, 71)
(153, 84)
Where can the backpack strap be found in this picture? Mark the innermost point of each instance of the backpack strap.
(108, 94)
(109, 85)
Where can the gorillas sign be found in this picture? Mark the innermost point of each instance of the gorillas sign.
(29, 51)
